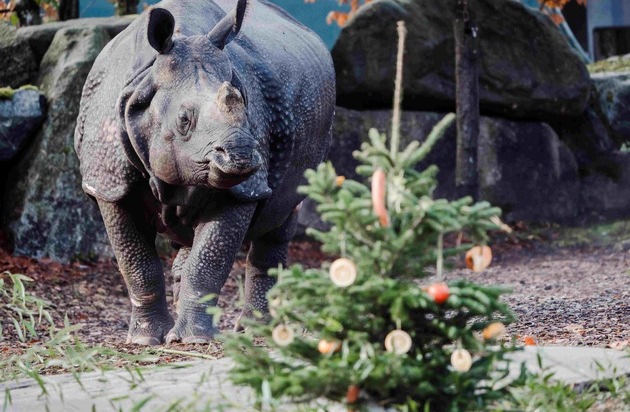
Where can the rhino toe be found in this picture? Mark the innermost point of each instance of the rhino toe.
(144, 340)
(192, 327)
(148, 328)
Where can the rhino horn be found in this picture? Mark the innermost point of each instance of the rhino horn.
(226, 30)
(160, 29)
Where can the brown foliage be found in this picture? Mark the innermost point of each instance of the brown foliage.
(341, 17)
(553, 8)
(6, 9)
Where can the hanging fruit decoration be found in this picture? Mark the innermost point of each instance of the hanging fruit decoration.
(379, 188)
(328, 346)
(353, 394)
(461, 360)
(343, 272)
(439, 292)
(282, 335)
(478, 258)
(493, 331)
(398, 342)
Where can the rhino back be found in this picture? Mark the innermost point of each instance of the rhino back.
(105, 169)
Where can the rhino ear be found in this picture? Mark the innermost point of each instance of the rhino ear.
(226, 30)
(160, 29)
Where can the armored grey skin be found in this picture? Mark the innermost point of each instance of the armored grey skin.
(198, 128)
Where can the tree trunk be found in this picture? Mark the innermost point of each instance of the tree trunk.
(467, 100)
(124, 7)
(68, 9)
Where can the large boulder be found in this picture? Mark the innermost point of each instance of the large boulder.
(613, 98)
(48, 214)
(18, 63)
(606, 188)
(588, 135)
(20, 116)
(40, 37)
(526, 67)
(524, 168)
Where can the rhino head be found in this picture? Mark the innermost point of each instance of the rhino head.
(186, 117)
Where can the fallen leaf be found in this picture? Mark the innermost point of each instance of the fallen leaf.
(529, 341)
(620, 344)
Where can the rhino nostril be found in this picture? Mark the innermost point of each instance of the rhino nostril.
(221, 151)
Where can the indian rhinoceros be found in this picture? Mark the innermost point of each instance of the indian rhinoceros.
(197, 122)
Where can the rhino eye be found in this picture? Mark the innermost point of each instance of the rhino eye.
(184, 122)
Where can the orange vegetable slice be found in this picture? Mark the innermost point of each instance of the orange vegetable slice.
(379, 187)
(478, 258)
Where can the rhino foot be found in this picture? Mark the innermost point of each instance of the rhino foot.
(251, 314)
(192, 327)
(148, 329)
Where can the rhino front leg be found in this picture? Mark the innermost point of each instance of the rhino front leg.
(206, 269)
(133, 240)
(265, 253)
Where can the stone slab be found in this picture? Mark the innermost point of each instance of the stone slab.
(206, 385)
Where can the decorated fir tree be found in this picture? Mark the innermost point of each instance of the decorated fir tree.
(367, 329)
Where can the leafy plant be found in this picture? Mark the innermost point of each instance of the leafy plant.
(23, 311)
(542, 392)
(51, 349)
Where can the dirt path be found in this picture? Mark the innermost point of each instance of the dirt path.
(562, 295)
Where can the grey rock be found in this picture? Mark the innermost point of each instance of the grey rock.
(524, 168)
(613, 97)
(527, 68)
(40, 37)
(587, 135)
(19, 118)
(18, 62)
(606, 189)
(45, 206)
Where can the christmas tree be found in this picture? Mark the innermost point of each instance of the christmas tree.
(366, 329)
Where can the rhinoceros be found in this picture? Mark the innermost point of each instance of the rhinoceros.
(197, 122)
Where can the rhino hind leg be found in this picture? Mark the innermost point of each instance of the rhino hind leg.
(265, 253)
(133, 241)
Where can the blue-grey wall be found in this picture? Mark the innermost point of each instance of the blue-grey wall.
(312, 15)
(606, 13)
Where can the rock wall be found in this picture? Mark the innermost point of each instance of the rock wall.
(18, 62)
(20, 116)
(45, 208)
(548, 142)
(527, 69)
(524, 167)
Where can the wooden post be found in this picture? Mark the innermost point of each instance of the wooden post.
(68, 9)
(466, 100)
(124, 7)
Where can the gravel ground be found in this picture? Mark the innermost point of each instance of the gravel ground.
(562, 295)
(565, 296)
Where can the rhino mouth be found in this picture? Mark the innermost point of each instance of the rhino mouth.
(228, 168)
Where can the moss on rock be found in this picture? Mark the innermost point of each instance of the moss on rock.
(613, 64)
